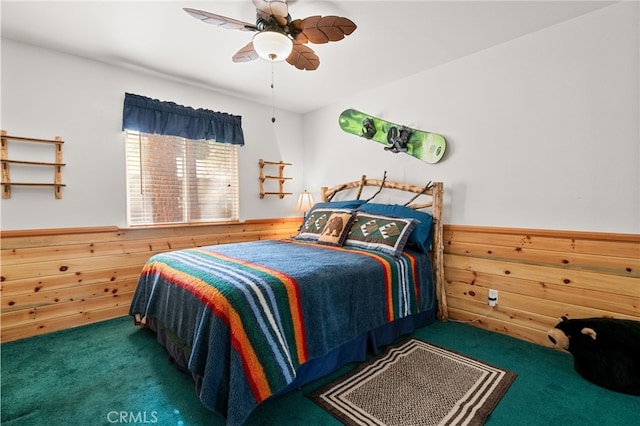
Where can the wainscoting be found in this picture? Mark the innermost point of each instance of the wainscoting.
(61, 278)
(540, 276)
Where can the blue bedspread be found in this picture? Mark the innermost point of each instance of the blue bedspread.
(251, 313)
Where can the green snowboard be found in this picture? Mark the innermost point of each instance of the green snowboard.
(425, 146)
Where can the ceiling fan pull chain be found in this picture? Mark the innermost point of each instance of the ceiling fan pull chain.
(273, 96)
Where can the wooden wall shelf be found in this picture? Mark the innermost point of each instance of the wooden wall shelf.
(6, 162)
(281, 178)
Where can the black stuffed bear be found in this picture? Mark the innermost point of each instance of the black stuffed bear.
(605, 351)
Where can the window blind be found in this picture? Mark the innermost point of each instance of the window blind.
(176, 180)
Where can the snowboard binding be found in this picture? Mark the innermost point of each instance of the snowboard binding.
(398, 139)
(368, 128)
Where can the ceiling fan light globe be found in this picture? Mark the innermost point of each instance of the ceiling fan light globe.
(272, 45)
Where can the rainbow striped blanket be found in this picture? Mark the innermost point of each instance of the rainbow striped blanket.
(250, 314)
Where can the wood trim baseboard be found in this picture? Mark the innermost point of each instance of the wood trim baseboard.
(589, 235)
(17, 233)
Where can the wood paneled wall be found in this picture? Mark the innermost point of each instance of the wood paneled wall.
(61, 278)
(540, 276)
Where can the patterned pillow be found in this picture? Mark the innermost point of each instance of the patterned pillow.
(336, 229)
(382, 233)
(420, 238)
(315, 222)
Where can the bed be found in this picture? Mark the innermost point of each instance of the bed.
(253, 320)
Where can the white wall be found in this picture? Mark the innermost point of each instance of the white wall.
(47, 94)
(542, 131)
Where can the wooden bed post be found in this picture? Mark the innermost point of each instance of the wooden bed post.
(438, 251)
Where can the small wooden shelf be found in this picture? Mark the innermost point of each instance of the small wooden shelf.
(281, 194)
(6, 162)
(34, 184)
(276, 178)
(33, 163)
(281, 178)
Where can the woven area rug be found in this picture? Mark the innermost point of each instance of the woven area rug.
(416, 383)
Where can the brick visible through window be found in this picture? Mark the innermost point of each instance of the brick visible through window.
(176, 180)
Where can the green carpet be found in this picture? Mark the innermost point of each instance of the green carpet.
(114, 373)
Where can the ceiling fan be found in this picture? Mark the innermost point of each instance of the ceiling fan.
(278, 37)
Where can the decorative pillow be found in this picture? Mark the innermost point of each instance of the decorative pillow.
(420, 238)
(336, 229)
(382, 233)
(315, 223)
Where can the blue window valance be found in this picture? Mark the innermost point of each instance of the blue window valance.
(168, 118)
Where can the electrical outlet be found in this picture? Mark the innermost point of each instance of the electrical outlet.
(493, 297)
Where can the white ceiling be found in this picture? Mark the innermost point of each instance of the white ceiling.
(394, 39)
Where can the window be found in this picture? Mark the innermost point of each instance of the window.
(171, 179)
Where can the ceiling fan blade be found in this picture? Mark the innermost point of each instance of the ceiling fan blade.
(278, 9)
(220, 21)
(303, 58)
(323, 29)
(245, 54)
(295, 30)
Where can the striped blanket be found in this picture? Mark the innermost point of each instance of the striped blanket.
(251, 313)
